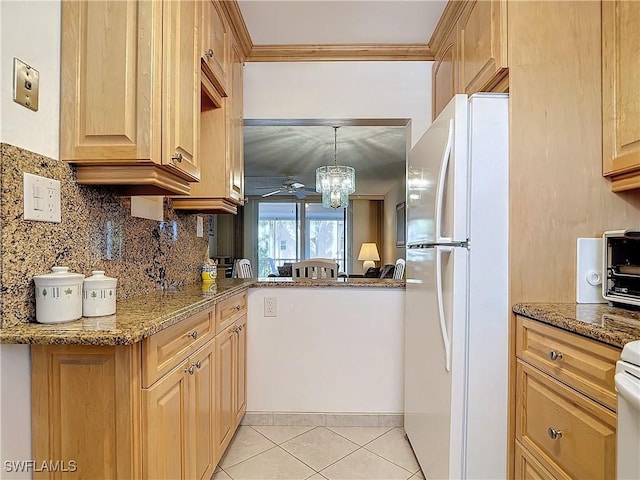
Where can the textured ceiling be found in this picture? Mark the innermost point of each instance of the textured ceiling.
(335, 22)
(273, 153)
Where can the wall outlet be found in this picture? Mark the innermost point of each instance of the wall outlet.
(41, 198)
(270, 307)
(199, 226)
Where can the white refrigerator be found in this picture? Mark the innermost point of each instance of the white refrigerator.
(457, 312)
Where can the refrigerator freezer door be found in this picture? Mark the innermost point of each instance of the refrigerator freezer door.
(437, 180)
(434, 336)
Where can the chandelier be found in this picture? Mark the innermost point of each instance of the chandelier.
(335, 182)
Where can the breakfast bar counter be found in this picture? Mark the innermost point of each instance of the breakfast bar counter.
(140, 317)
(611, 325)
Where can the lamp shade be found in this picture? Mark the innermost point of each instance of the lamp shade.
(369, 251)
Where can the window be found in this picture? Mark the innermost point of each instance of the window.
(291, 231)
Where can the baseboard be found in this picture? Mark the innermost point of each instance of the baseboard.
(321, 419)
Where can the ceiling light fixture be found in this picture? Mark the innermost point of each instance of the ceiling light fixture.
(335, 182)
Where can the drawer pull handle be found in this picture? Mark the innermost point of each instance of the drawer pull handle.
(191, 370)
(553, 433)
(237, 307)
(553, 355)
(198, 364)
(209, 53)
(193, 334)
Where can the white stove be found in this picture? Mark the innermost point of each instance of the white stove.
(628, 387)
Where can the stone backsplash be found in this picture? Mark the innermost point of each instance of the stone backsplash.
(97, 232)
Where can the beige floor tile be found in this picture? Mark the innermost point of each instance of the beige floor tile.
(395, 448)
(360, 435)
(246, 443)
(220, 475)
(319, 447)
(419, 474)
(280, 434)
(316, 476)
(364, 465)
(274, 464)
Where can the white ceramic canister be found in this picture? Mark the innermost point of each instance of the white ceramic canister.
(99, 297)
(58, 296)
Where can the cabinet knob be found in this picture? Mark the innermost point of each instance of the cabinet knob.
(191, 370)
(198, 364)
(238, 307)
(209, 53)
(177, 157)
(240, 328)
(553, 355)
(553, 433)
(193, 334)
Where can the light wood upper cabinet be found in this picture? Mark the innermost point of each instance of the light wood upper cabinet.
(235, 142)
(221, 188)
(444, 73)
(621, 93)
(130, 98)
(215, 45)
(483, 45)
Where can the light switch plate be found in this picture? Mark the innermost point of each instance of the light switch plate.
(589, 271)
(41, 198)
(26, 85)
(199, 226)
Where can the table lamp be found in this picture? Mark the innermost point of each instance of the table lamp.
(368, 253)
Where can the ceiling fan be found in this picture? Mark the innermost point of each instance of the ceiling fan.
(290, 186)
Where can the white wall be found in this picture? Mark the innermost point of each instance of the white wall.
(336, 349)
(340, 90)
(30, 31)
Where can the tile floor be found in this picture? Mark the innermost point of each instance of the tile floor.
(333, 453)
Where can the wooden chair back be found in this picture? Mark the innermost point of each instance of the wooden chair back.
(243, 268)
(398, 273)
(317, 268)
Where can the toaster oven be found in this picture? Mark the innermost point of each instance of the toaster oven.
(621, 259)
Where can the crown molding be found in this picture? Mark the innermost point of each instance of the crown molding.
(236, 20)
(344, 52)
(448, 19)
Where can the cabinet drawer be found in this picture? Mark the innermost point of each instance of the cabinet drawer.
(163, 350)
(585, 432)
(584, 364)
(229, 310)
(527, 467)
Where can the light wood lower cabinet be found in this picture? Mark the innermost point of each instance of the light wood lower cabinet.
(89, 403)
(565, 422)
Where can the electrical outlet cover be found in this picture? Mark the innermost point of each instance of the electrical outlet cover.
(41, 197)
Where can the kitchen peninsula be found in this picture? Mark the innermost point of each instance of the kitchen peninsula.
(135, 394)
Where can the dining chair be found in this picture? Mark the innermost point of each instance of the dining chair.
(317, 268)
(243, 268)
(398, 273)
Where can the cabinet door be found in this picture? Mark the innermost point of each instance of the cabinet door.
(215, 45)
(203, 383)
(110, 83)
(235, 131)
(241, 368)
(527, 467)
(166, 427)
(620, 87)
(181, 88)
(225, 385)
(483, 45)
(444, 73)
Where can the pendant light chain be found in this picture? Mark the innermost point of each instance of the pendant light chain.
(335, 146)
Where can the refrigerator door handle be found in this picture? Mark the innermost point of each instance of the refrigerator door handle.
(446, 339)
(442, 178)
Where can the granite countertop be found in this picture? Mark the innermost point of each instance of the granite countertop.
(142, 316)
(611, 325)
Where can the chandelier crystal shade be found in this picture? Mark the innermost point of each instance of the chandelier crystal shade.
(335, 182)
